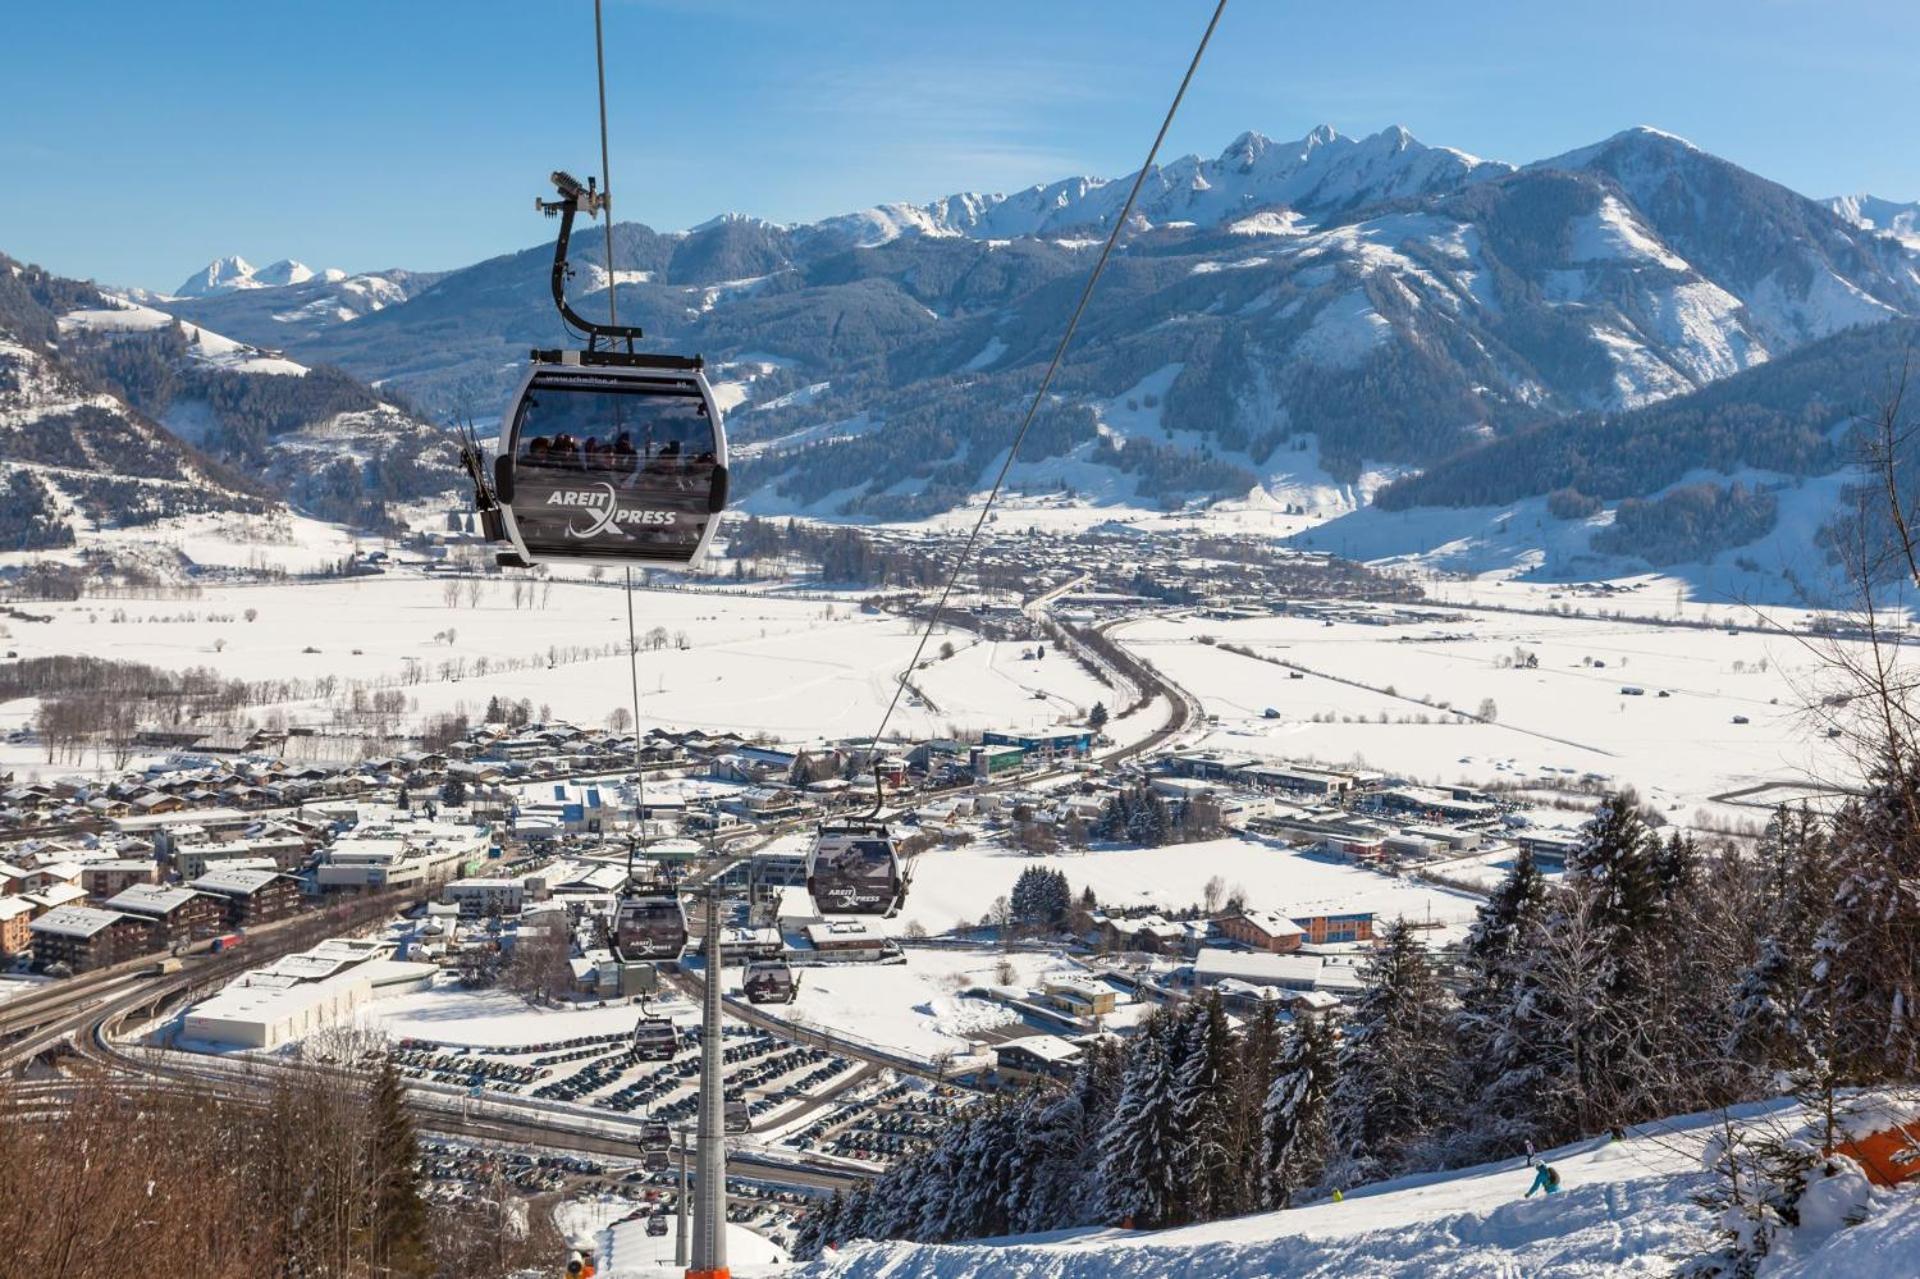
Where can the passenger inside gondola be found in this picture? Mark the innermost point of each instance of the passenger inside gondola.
(653, 441)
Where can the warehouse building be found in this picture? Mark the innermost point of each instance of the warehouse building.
(301, 994)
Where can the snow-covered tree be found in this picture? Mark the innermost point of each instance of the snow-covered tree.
(1295, 1115)
(1392, 1090)
(1140, 1145)
(1257, 1049)
(1869, 942)
(1203, 1111)
(1493, 957)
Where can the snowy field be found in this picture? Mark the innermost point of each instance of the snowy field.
(1627, 1211)
(1563, 720)
(796, 669)
(914, 1008)
(446, 1013)
(953, 888)
(625, 1250)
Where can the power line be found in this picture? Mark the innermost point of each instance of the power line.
(1053, 367)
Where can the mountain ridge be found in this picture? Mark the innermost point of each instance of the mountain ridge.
(1351, 305)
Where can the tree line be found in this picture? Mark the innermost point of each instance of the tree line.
(321, 1177)
(1655, 977)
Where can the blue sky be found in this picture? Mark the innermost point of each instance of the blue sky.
(140, 140)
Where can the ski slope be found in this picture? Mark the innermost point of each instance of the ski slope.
(1627, 1210)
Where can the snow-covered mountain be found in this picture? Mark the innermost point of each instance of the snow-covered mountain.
(1801, 271)
(1291, 323)
(231, 274)
(74, 456)
(1888, 217)
(168, 399)
(1322, 173)
(302, 305)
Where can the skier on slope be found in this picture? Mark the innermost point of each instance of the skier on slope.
(1546, 1179)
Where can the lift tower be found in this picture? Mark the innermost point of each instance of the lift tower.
(710, 1204)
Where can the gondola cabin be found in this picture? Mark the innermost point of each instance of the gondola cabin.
(854, 869)
(737, 1119)
(616, 460)
(771, 981)
(655, 1039)
(649, 926)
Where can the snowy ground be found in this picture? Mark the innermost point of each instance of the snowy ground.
(1627, 1209)
(626, 1251)
(282, 542)
(793, 668)
(1559, 722)
(449, 1014)
(916, 1007)
(953, 888)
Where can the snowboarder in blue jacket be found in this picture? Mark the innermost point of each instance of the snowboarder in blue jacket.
(1546, 1179)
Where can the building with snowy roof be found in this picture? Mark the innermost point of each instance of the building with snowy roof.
(108, 877)
(402, 854)
(298, 995)
(1263, 930)
(84, 938)
(1021, 1061)
(250, 895)
(16, 916)
(176, 915)
(1256, 968)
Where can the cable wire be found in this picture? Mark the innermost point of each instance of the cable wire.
(606, 169)
(639, 771)
(1046, 382)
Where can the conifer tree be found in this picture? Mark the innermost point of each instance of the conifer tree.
(1296, 1110)
(1496, 944)
(1203, 1111)
(398, 1219)
(1769, 1005)
(1140, 1144)
(1257, 1056)
(1392, 1090)
(1869, 941)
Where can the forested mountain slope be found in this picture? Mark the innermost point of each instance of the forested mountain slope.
(317, 437)
(1333, 304)
(73, 454)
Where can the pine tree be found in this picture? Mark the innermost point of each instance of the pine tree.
(1869, 942)
(1494, 959)
(1541, 1070)
(818, 1229)
(1617, 856)
(1392, 1090)
(1140, 1143)
(398, 1219)
(1203, 1110)
(1626, 881)
(1259, 1050)
(1295, 1114)
(852, 1222)
(1495, 944)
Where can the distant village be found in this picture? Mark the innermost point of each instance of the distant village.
(510, 825)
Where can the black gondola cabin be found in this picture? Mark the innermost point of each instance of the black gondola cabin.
(612, 463)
